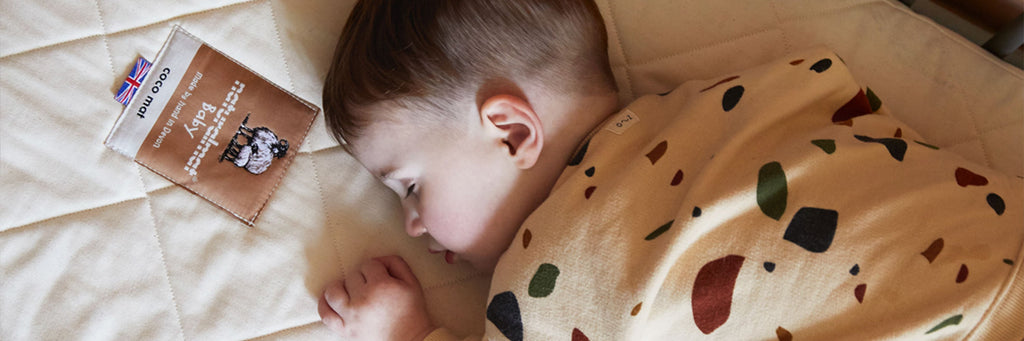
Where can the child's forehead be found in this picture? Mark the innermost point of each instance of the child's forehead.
(393, 132)
(384, 143)
(377, 140)
(379, 163)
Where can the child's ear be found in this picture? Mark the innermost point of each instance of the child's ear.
(511, 120)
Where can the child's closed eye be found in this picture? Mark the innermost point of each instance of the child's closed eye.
(410, 191)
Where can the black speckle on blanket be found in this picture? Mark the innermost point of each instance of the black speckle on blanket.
(822, 65)
(504, 313)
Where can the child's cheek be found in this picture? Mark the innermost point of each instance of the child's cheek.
(450, 227)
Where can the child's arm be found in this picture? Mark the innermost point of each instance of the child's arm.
(382, 301)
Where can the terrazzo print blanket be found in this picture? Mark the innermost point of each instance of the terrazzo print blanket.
(781, 202)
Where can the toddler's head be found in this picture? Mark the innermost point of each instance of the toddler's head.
(468, 109)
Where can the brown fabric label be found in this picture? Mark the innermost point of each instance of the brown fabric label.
(224, 133)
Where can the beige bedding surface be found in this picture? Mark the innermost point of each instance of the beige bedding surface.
(94, 246)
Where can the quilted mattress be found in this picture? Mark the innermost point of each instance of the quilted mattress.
(95, 246)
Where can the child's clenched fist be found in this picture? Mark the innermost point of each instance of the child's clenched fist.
(381, 301)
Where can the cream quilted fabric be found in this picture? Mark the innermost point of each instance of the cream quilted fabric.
(94, 246)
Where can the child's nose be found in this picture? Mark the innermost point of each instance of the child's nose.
(413, 225)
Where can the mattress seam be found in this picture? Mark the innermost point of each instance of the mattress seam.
(970, 111)
(1018, 73)
(830, 11)
(284, 330)
(126, 30)
(280, 46)
(62, 215)
(778, 22)
(154, 190)
(974, 126)
(327, 215)
(941, 30)
(618, 44)
(312, 151)
(948, 85)
(106, 44)
(982, 133)
(451, 282)
(163, 261)
(778, 26)
(703, 47)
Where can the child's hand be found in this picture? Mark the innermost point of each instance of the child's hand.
(382, 301)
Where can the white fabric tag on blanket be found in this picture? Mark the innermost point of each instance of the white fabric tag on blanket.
(211, 125)
(622, 121)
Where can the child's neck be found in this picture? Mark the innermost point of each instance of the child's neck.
(572, 120)
(567, 120)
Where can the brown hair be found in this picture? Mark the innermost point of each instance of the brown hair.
(432, 53)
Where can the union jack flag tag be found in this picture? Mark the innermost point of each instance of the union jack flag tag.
(133, 81)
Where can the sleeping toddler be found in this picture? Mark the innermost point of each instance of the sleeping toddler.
(780, 202)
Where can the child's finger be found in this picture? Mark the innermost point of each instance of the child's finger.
(398, 268)
(329, 317)
(354, 283)
(373, 270)
(336, 296)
